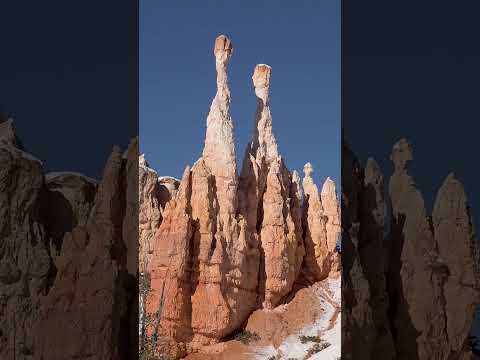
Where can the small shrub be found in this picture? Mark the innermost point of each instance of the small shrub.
(316, 348)
(305, 339)
(246, 337)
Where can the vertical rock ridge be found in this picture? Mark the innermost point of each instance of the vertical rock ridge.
(456, 261)
(242, 237)
(7, 132)
(226, 258)
(91, 277)
(168, 303)
(318, 257)
(260, 152)
(219, 148)
(270, 202)
(150, 211)
(332, 212)
(356, 314)
(278, 238)
(419, 285)
(372, 257)
(264, 144)
(423, 284)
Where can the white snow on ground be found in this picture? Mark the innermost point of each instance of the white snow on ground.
(167, 178)
(322, 327)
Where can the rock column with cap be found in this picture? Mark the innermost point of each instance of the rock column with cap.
(264, 143)
(331, 211)
(413, 242)
(219, 148)
(266, 189)
(225, 264)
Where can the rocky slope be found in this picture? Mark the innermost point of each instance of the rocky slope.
(410, 280)
(229, 245)
(68, 258)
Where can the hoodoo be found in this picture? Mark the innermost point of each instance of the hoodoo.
(226, 245)
(417, 300)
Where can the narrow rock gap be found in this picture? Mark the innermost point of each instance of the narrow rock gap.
(407, 345)
(262, 276)
(126, 285)
(213, 209)
(192, 260)
(442, 279)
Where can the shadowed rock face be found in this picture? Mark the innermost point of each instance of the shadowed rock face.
(455, 261)
(418, 285)
(405, 283)
(7, 132)
(228, 244)
(25, 264)
(67, 284)
(66, 204)
(150, 212)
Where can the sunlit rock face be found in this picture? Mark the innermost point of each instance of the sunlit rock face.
(228, 244)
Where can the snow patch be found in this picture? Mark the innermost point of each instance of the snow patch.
(53, 175)
(292, 346)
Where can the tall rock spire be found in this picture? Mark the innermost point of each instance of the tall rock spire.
(264, 143)
(225, 263)
(219, 149)
(412, 241)
(456, 245)
(319, 255)
(270, 202)
(332, 212)
(261, 151)
(228, 245)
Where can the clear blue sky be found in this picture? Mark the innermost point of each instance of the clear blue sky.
(300, 40)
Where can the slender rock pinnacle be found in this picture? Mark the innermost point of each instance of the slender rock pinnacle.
(264, 143)
(225, 263)
(219, 150)
(319, 254)
(308, 170)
